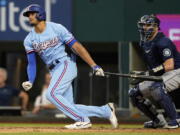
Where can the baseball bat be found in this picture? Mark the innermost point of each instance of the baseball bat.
(142, 77)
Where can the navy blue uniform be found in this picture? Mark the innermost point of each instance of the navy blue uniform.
(155, 53)
(7, 93)
(158, 50)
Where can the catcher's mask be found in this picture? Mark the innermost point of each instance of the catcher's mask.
(146, 26)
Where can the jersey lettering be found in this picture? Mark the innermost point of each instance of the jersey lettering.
(44, 45)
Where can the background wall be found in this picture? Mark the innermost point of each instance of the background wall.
(115, 20)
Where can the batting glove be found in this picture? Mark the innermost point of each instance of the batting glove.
(27, 85)
(98, 71)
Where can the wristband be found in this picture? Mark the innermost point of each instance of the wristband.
(158, 68)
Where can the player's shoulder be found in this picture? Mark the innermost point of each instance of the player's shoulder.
(28, 38)
(30, 34)
(53, 24)
(163, 40)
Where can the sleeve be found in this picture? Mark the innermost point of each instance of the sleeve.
(165, 49)
(28, 45)
(66, 36)
(31, 68)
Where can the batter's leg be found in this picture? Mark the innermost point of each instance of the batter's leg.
(60, 84)
(105, 111)
(90, 111)
(64, 105)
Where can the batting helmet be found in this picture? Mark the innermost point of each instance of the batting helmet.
(150, 20)
(41, 13)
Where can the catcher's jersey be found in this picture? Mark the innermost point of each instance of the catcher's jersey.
(159, 50)
(50, 44)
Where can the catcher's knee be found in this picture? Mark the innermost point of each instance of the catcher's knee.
(135, 96)
(157, 91)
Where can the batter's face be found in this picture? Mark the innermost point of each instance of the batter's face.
(32, 18)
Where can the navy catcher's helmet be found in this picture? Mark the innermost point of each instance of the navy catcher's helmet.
(147, 20)
(41, 13)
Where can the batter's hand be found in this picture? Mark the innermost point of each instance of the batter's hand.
(27, 85)
(98, 71)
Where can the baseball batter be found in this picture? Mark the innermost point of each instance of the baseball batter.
(48, 40)
(162, 58)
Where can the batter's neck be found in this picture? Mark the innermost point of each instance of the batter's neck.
(40, 27)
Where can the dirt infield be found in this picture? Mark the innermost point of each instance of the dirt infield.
(92, 130)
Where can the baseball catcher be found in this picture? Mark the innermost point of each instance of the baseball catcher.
(162, 58)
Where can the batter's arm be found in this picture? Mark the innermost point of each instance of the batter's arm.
(83, 53)
(31, 71)
(31, 68)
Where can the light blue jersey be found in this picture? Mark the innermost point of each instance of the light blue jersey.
(50, 44)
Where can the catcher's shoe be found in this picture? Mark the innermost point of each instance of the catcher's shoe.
(178, 120)
(154, 124)
(113, 118)
(79, 125)
(172, 124)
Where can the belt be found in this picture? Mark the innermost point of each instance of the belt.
(54, 63)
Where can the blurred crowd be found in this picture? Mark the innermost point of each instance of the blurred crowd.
(12, 98)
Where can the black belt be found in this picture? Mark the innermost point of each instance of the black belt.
(55, 62)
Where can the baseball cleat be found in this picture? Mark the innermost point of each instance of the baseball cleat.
(173, 124)
(154, 124)
(113, 118)
(79, 125)
(178, 120)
